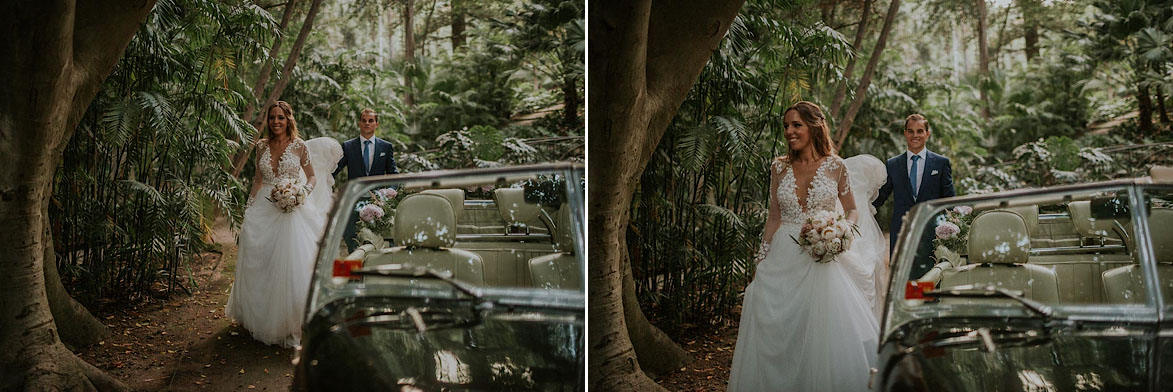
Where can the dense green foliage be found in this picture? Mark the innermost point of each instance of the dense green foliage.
(149, 168)
(1063, 112)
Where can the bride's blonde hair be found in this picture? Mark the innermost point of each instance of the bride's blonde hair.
(812, 115)
(291, 129)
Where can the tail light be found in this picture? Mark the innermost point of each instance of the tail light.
(342, 268)
(916, 289)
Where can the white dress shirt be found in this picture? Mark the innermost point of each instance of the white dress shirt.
(370, 154)
(920, 167)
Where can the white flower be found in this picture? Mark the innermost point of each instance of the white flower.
(819, 248)
(835, 246)
(830, 232)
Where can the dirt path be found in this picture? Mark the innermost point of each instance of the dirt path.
(186, 344)
(712, 354)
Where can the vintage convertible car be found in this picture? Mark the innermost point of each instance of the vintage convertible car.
(1067, 288)
(465, 280)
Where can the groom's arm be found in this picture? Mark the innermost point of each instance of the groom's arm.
(341, 162)
(390, 160)
(885, 190)
(947, 180)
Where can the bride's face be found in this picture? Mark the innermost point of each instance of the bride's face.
(798, 134)
(277, 121)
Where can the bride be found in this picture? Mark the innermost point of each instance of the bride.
(277, 249)
(809, 326)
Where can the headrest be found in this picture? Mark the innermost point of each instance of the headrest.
(424, 220)
(1085, 225)
(564, 240)
(1160, 220)
(454, 196)
(1161, 173)
(1029, 214)
(513, 207)
(998, 237)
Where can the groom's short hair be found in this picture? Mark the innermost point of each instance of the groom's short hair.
(371, 111)
(916, 117)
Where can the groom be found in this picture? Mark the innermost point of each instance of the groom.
(916, 175)
(365, 155)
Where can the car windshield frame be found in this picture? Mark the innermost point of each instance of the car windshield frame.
(899, 312)
(324, 289)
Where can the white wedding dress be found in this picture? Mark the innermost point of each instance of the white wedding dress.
(277, 249)
(808, 326)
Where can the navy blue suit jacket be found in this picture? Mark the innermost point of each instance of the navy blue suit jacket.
(936, 183)
(384, 159)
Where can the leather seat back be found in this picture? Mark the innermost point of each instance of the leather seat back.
(515, 210)
(1085, 225)
(455, 198)
(559, 270)
(425, 228)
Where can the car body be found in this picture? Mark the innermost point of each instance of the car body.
(466, 280)
(1065, 288)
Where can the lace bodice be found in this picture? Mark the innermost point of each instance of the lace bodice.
(289, 166)
(829, 182)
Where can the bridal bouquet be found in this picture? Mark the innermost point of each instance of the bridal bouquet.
(378, 214)
(287, 195)
(825, 235)
(951, 234)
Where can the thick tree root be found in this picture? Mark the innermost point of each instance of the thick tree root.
(59, 370)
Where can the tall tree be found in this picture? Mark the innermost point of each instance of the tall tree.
(1031, 10)
(458, 24)
(408, 51)
(983, 55)
(56, 55)
(861, 91)
(644, 57)
(860, 31)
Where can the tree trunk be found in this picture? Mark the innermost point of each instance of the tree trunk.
(861, 92)
(1146, 109)
(571, 100)
(983, 56)
(458, 24)
(267, 67)
(77, 327)
(644, 57)
(1030, 21)
(56, 55)
(860, 32)
(1161, 106)
(291, 61)
(408, 51)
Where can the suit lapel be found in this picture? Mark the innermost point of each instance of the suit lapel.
(377, 143)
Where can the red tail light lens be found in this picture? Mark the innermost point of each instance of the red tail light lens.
(916, 289)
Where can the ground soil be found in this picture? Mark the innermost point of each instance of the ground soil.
(712, 354)
(185, 343)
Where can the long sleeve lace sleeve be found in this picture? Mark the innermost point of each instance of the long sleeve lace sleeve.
(846, 197)
(257, 176)
(774, 214)
(303, 153)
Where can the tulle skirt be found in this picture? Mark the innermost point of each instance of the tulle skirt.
(273, 269)
(806, 326)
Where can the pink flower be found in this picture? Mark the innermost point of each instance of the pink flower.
(387, 193)
(947, 230)
(963, 210)
(370, 212)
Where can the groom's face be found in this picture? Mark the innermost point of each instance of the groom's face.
(367, 122)
(916, 133)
